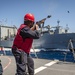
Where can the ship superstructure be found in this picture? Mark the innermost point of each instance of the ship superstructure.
(7, 34)
(55, 37)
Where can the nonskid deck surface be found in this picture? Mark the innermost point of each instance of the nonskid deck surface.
(47, 63)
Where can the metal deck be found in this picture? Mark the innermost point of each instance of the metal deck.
(42, 66)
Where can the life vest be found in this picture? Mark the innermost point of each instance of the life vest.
(22, 44)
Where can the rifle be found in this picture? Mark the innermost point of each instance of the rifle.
(42, 21)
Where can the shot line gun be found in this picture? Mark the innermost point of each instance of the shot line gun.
(42, 21)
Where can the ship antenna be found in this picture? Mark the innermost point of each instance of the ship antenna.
(67, 28)
(58, 22)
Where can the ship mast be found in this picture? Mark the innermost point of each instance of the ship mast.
(57, 30)
(58, 25)
(58, 22)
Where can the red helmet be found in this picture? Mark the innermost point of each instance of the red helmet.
(29, 17)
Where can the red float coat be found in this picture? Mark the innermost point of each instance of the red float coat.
(24, 38)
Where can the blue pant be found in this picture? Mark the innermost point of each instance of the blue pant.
(23, 62)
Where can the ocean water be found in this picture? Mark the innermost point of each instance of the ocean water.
(51, 54)
(60, 55)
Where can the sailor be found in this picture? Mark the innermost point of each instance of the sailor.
(23, 43)
(1, 68)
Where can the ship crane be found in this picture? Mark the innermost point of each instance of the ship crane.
(49, 27)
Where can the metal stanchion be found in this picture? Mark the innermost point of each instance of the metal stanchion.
(35, 52)
(72, 48)
(71, 43)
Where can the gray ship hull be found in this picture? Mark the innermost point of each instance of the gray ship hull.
(54, 41)
(48, 41)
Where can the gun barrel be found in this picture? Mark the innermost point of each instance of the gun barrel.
(43, 20)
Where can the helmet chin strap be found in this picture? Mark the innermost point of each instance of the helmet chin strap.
(31, 25)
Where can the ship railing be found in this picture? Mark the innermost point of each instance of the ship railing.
(35, 52)
(70, 44)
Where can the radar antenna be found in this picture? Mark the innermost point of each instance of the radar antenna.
(58, 22)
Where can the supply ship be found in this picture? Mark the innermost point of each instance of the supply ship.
(55, 37)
